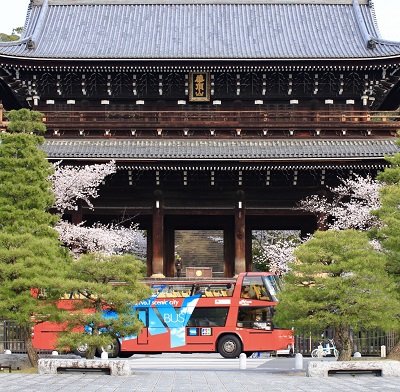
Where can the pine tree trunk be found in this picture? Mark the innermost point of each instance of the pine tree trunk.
(344, 342)
(32, 353)
(91, 351)
(395, 352)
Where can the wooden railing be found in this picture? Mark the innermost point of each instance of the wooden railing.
(246, 120)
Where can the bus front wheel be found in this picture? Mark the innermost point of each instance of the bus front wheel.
(113, 350)
(229, 346)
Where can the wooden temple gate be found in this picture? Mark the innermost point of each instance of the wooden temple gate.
(208, 133)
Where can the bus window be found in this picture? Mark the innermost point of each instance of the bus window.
(272, 285)
(208, 317)
(253, 288)
(142, 315)
(255, 317)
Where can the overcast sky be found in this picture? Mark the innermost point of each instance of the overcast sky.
(13, 12)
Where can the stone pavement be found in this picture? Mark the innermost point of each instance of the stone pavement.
(196, 381)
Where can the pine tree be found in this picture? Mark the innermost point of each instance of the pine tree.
(33, 260)
(339, 281)
(389, 232)
(108, 287)
(31, 256)
(26, 121)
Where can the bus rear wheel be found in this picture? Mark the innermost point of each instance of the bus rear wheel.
(229, 346)
(81, 350)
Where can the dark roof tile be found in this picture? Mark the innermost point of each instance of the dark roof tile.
(265, 29)
(234, 150)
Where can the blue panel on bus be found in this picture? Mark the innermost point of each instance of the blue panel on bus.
(164, 317)
(193, 332)
(156, 327)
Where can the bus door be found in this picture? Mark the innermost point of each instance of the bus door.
(143, 337)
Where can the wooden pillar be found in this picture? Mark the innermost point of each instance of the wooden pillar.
(322, 222)
(157, 264)
(77, 215)
(322, 218)
(149, 259)
(229, 250)
(240, 238)
(249, 249)
(169, 249)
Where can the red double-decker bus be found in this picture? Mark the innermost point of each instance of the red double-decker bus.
(192, 316)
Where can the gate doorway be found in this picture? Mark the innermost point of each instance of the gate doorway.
(202, 251)
(202, 242)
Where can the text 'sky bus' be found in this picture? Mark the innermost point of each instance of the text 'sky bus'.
(225, 316)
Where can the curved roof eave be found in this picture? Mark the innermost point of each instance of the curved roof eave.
(196, 59)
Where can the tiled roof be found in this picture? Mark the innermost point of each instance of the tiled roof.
(208, 151)
(210, 29)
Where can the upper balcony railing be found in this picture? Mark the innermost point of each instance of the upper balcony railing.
(233, 121)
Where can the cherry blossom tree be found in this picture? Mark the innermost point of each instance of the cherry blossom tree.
(81, 183)
(349, 207)
(274, 249)
(111, 239)
(73, 183)
(104, 252)
(351, 204)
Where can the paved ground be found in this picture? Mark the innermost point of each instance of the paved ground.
(200, 373)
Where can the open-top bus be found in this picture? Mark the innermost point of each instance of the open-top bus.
(187, 316)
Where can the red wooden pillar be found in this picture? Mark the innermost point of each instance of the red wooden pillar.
(240, 238)
(322, 218)
(322, 223)
(77, 216)
(249, 248)
(157, 263)
(229, 249)
(169, 249)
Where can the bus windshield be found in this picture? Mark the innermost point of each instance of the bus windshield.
(273, 286)
(260, 287)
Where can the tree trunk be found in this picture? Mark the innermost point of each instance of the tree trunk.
(395, 352)
(91, 351)
(344, 342)
(32, 353)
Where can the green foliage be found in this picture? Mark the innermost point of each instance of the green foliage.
(24, 189)
(31, 255)
(14, 36)
(17, 31)
(391, 175)
(339, 281)
(93, 278)
(8, 38)
(389, 214)
(26, 121)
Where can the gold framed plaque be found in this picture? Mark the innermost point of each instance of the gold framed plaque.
(199, 86)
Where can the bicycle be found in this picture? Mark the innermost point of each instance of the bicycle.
(324, 351)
